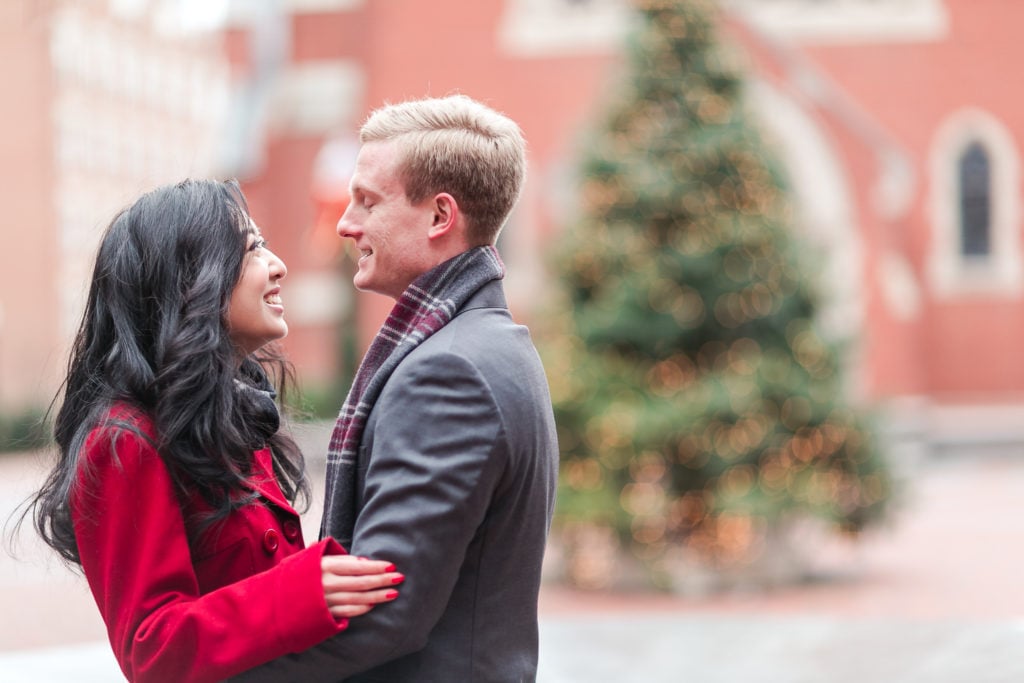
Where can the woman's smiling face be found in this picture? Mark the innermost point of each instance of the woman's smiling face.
(255, 312)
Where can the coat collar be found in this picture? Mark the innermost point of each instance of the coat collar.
(491, 295)
(264, 482)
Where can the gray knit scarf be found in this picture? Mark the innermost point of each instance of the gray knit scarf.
(426, 306)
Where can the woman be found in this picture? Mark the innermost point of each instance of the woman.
(174, 486)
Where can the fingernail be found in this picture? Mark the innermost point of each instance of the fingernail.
(343, 624)
(398, 579)
(390, 568)
(391, 595)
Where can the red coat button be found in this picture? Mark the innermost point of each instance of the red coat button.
(292, 530)
(271, 541)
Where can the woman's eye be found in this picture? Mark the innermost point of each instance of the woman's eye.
(259, 243)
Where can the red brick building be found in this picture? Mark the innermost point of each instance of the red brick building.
(103, 99)
(902, 140)
(892, 117)
(894, 120)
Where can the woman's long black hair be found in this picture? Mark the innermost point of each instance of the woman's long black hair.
(154, 336)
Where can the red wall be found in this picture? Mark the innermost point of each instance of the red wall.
(967, 346)
(951, 350)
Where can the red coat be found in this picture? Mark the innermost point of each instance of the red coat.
(251, 593)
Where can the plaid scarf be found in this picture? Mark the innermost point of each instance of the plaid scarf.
(426, 306)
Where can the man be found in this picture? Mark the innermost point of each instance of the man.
(444, 458)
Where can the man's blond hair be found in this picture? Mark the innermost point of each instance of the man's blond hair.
(456, 145)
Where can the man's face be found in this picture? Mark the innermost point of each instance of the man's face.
(389, 232)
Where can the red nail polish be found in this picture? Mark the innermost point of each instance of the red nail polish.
(343, 624)
(390, 568)
(391, 595)
(398, 579)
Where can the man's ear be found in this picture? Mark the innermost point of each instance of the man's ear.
(446, 214)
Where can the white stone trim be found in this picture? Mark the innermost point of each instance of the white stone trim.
(521, 245)
(131, 109)
(321, 297)
(541, 28)
(848, 21)
(824, 204)
(128, 10)
(899, 286)
(317, 97)
(244, 12)
(950, 274)
(187, 17)
(826, 216)
(534, 28)
(310, 6)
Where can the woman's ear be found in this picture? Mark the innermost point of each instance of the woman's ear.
(446, 213)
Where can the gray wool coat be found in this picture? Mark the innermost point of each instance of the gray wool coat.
(456, 485)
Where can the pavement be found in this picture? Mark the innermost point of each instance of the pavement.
(933, 597)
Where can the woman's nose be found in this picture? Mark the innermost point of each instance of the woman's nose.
(277, 267)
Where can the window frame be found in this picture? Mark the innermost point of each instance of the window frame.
(952, 272)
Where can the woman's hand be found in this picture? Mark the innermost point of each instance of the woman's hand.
(353, 585)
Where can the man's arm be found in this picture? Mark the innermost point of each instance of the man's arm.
(437, 455)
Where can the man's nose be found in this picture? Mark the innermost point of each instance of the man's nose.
(346, 227)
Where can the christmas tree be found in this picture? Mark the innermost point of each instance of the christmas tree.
(699, 404)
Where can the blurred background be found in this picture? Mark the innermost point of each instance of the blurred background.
(770, 250)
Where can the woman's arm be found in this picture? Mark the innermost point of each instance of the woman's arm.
(136, 557)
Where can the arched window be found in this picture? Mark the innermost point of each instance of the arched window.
(975, 208)
(975, 184)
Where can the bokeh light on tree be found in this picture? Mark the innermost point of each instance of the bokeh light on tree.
(699, 405)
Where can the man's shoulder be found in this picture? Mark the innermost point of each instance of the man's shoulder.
(475, 333)
(485, 315)
(464, 340)
(481, 338)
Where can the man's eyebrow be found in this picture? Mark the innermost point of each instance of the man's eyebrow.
(363, 189)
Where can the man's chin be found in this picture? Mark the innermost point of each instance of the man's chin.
(368, 286)
(362, 283)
